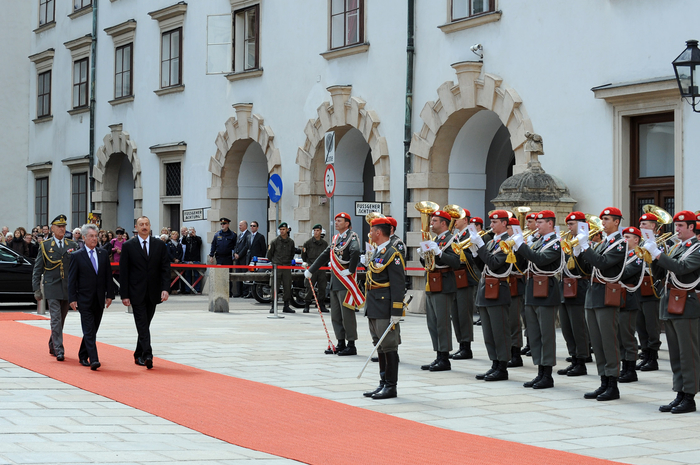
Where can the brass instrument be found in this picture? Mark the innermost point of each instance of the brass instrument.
(522, 212)
(644, 254)
(426, 209)
(596, 227)
(368, 218)
(468, 241)
(507, 246)
(456, 212)
(663, 216)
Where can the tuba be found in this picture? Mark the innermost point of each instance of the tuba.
(426, 209)
(663, 216)
(596, 227)
(456, 212)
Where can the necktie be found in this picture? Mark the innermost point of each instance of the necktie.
(60, 244)
(92, 259)
(144, 247)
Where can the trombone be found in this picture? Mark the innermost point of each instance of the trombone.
(644, 254)
(426, 209)
(466, 243)
(596, 227)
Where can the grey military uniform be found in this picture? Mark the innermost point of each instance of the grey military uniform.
(572, 315)
(309, 253)
(384, 291)
(463, 304)
(628, 313)
(398, 244)
(52, 262)
(648, 323)
(281, 252)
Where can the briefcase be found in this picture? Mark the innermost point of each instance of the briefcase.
(435, 281)
(461, 278)
(676, 301)
(613, 295)
(570, 288)
(540, 286)
(491, 288)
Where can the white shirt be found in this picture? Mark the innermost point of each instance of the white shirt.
(148, 244)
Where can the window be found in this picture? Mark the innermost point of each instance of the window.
(172, 179)
(347, 23)
(80, 4)
(123, 80)
(80, 83)
(466, 8)
(171, 157)
(41, 201)
(219, 50)
(246, 27)
(79, 199)
(47, 11)
(43, 101)
(171, 62)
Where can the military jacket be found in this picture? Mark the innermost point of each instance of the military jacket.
(223, 244)
(495, 259)
(546, 255)
(53, 262)
(398, 244)
(580, 268)
(633, 270)
(467, 260)
(281, 251)
(386, 284)
(312, 249)
(686, 271)
(347, 249)
(448, 261)
(655, 275)
(608, 257)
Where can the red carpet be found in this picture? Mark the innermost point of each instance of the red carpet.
(265, 418)
(14, 316)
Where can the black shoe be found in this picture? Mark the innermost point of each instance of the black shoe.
(95, 365)
(612, 392)
(464, 352)
(547, 381)
(387, 392)
(330, 351)
(687, 405)
(443, 362)
(287, 308)
(565, 371)
(630, 374)
(652, 363)
(149, 363)
(579, 369)
(139, 361)
(526, 349)
(674, 403)
(516, 359)
(568, 359)
(85, 363)
(589, 359)
(60, 357)
(306, 308)
(478, 322)
(379, 388)
(536, 379)
(427, 367)
(643, 359)
(51, 352)
(494, 365)
(390, 376)
(500, 374)
(324, 309)
(599, 391)
(349, 350)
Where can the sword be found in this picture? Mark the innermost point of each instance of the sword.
(330, 343)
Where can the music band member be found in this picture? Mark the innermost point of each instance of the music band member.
(631, 281)
(467, 280)
(648, 324)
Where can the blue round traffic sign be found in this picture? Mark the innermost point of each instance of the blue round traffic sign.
(274, 188)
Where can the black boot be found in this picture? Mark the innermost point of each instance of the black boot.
(536, 379)
(643, 359)
(674, 403)
(579, 369)
(494, 365)
(547, 381)
(338, 348)
(612, 392)
(349, 350)
(603, 386)
(515, 359)
(501, 373)
(687, 405)
(630, 374)
(652, 364)
(382, 374)
(433, 363)
(525, 349)
(306, 307)
(323, 308)
(391, 377)
(443, 362)
(565, 371)
(287, 308)
(464, 352)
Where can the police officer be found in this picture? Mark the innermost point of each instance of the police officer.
(631, 281)
(467, 278)
(385, 288)
(222, 245)
(680, 310)
(648, 324)
(53, 261)
(309, 253)
(281, 252)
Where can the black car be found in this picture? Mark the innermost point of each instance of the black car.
(15, 276)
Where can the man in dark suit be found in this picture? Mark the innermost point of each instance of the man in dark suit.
(89, 289)
(144, 270)
(258, 245)
(240, 255)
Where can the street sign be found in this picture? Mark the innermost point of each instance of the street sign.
(193, 214)
(363, 208)
(274, 188)
(329, 141)
(329, 181)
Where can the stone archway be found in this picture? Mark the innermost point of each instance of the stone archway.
(231, 145)
(105, 194)
(341, 114)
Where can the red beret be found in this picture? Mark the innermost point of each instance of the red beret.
(499, 215)
(467, 213)
(443, 214)
(547, 215)
(392, 221)
(648, 217)
(476, 220)
(513, 222)
(342, 215)
(684, 215)
(632, 230)
(576, 216)
(531, 216)
(377, 221)
(611, 211)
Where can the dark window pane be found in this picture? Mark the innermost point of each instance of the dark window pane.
(172, 179)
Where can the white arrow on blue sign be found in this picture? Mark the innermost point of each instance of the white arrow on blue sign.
(274, 188)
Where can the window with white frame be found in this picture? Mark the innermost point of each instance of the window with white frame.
(80, 83)
(80, 4)
(462, 9)
(219, 50)
(47, 11)
(79, 195)
(41, 200)
(246, 27)
(171, 21)
(123, 35)
(346, 23)
(43, 61)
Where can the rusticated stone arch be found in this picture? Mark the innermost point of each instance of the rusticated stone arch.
(340, 114)
(231, 144)
(105, 194)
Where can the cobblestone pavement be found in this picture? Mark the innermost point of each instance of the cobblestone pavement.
(45, 421)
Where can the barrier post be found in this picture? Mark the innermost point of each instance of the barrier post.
(41, 305)
(274, 292)
(218, 290)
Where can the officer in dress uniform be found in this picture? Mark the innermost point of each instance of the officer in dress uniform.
(648, 324)
(603, 314)
(396, 241)
(680, 310)
(345, 295)
(385, 288)
(631, 281)
(572, 316)
(309, 253)
(516, 310)
(493, 297)
(281, 252)
(542, 297)
(467, 279)
(53, 261)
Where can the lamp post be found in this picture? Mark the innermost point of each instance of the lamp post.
(687, 66)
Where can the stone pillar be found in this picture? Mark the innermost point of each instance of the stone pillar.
(218, 279)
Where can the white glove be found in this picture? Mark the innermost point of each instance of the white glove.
(363, 259)
(577, 250)
(653, 249)
(435, 249)
(519, 240)
(530, 240)
(582, 240)
(477, 240)
(395, 319)
(307, 274)
(305, 265)
(345, 273)
(420, 252)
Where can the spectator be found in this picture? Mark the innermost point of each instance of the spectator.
(46, 232)
(164, 237)
(7, 239)
(165, 230)
(32, 247)
(117, 243)
(5, 230)
(110, 235)
(175, 253)
(17, 243)
(103, 243)
(78, 238)
(193, 256)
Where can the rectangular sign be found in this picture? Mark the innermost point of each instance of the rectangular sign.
(329, 145)
(362, 208)
(194, 214)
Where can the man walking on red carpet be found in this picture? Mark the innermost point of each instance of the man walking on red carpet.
(144, 270)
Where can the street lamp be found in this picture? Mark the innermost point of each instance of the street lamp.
(687, 66)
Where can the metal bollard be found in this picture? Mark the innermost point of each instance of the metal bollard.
(274, 292)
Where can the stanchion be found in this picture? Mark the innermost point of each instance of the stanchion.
(274, 292)
(41, 304)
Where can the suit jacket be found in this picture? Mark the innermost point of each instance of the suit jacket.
(142, 278)
(85, 286)
(242, 246)
(257, 247)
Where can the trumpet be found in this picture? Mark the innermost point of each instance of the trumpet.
(426, 209)
(468, 242)
(507, 246)
(596, 227)
(644, 254)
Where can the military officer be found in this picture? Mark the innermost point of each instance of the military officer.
(309, 253)
(396, 240)
(648, 325)
(344, 255)
(542, 298)
(603, 301)
(53, 261)
(281, 252)
(572, 316)
(385, 288)
(440, 288)
(467, 279)
(493, 297)
(631, 281)
(516, 310)
(680, 310)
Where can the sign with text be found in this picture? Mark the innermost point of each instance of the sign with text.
(194, 214)
(329, 143)
(363, 208)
